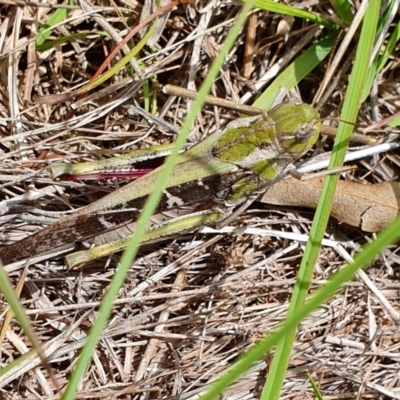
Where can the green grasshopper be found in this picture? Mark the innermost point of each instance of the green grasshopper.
(206, 185)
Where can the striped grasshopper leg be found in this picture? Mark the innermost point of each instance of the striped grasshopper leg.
(165, 230)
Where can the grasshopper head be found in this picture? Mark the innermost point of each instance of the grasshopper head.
(297, 127)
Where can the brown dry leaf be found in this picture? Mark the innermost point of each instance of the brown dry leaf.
(369, 207)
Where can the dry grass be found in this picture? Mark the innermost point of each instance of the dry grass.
(191, 306)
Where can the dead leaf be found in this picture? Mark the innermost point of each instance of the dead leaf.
(369, 207)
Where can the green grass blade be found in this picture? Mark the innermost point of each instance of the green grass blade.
(317, 393)
(343, 10)
(349, 113)
(257, 353)
(57, 17)
(278, 8)
(297, 70)
(380, 61)
(391, 44)
(52, 43)
(12, 299)
(120, 64)
(130, 253)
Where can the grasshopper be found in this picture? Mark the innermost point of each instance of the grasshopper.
(207, 183)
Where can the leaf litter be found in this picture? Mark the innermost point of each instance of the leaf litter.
(189, 306)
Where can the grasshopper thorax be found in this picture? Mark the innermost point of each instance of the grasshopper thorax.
(266, 144)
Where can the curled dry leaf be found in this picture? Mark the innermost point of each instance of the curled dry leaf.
(369, 207)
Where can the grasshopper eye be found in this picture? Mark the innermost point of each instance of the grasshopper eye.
(304, 132)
